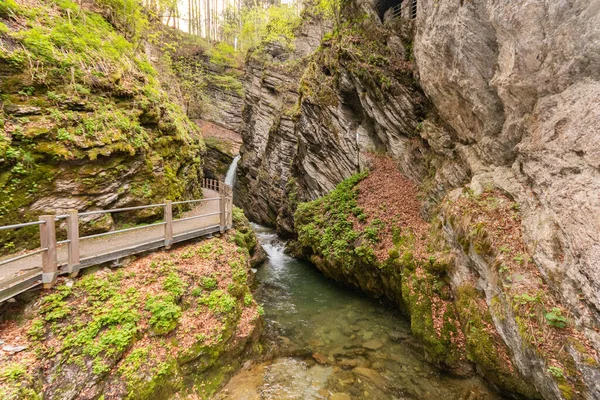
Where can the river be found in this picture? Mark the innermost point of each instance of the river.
(335, 343)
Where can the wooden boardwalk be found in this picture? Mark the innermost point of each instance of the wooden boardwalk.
(209, 215)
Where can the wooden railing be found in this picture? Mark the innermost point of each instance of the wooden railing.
(44, 265)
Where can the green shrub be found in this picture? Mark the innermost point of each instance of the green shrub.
(556, 372)
(37, 330)
(556, 319)
(174, 285)
(12, 371)
(219, 302)
(165, 314)
(63, 135)
(209, 283)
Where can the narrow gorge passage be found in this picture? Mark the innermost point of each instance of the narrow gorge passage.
(333, 342)
(428, 171)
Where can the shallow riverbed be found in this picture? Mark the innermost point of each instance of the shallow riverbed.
(336, 343)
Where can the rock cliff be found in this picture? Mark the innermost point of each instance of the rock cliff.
(86, 121)
(356, 94)
(474, 101)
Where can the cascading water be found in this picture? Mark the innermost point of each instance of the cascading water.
(230, 177)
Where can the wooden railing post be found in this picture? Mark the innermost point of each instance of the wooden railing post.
(73, 237)
(230, 201)
(223, 221)
(49, 257)
(168, 224)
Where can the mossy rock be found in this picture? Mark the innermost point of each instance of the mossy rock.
(483, 348)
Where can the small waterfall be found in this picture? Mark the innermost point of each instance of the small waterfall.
(230, 177)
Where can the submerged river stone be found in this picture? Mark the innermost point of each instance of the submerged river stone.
(340, 396)
(373, 344)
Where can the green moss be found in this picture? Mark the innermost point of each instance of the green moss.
(107, 331)
(333, 236)
(54, 306)
(418, 292)
(174, 285)
(244, 236)
(147, 378)
(12, 371)
(17, 383)
(88, 114)
(483, 347)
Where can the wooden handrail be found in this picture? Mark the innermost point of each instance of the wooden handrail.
(48, 249)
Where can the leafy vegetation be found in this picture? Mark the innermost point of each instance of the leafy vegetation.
(95, 103)
(556, 319)
(165, 314)
(140, 329)
(219, 301)
(326, 227)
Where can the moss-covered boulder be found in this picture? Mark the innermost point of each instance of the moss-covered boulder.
(172, 322)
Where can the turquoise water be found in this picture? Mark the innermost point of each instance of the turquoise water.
(335, 343)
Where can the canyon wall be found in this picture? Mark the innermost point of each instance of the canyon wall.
(309, 116)
(470, 99)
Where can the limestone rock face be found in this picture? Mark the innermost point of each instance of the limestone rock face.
(225, 103)
(299, 145)
(518, 83)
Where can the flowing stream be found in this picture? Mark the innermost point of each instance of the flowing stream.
(335, 343)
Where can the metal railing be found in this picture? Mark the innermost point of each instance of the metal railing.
(31, 253)
(413, 9)
(48, 243)
(397, 11)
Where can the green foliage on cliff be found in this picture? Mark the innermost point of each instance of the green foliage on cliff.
(84, 109)
(356, 46)
(325, 225)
